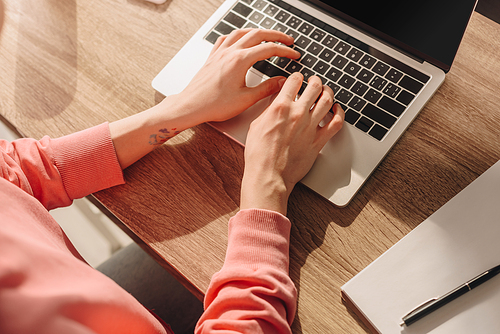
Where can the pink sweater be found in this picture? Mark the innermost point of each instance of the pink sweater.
(46, 287)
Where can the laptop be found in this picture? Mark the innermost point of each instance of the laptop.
(383, 59)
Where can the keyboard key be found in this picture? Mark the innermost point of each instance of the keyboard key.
(373, 96)
(339, 62)
(357, 103)
(381, 68)
(321, 67)
(269, 69)
(334, 87)
(318, 35)
(267, 23)
(343, 106)
(212, 37)
(259, 4)
(327, 55)
(393, 75)
(271, 10)
(323, 79)
(344, 96)
(359, 88)
(364, 124)
(377, 132)
(378, 115)
(308, 60)
(405, 98)
(368, 61)
(307, 73)
(352, 69)
(351, 116)
(293, 67)
(293, 33)
(306, 17)
(330, 41)
(306, 28)
(365, 76)
(391, 106)
(282, 16)
(411, 84)
(354, 54)
(242, 9)
(280, 27)
(378, 83)
(293, 22)
(315, 48)
(281, 62)
(224, 28)
(316, 22)
(333, 74)
(248, 2)
(391, 90)
(299, 50)
(294, 10)
(347, 81)
(302, 42)
(256, 17)
(235, 20)
(342, 48)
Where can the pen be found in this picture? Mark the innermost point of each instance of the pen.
(433, 304)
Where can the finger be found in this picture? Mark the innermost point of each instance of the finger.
(257, 36)
(291, 87)
(268, 50)
(333, 127)
(266, 88)
(323, 105)
(217, 44)
(236, 35)
(313, 90)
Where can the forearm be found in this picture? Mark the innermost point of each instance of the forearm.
(138, 135)
(253, 292)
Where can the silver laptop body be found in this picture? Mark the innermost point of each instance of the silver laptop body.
(346, 162)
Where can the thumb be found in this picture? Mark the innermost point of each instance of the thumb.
(268, 87)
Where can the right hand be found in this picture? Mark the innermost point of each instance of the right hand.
(284, 141)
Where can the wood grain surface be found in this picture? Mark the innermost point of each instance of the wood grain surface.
(68, 65)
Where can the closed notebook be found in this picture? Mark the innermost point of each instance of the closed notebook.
(455, 244)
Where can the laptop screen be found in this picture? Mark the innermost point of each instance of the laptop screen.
(429, 29)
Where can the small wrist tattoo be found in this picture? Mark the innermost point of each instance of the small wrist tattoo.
(163, 135)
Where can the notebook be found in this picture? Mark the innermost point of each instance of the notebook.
(452, 246)
(383, 59)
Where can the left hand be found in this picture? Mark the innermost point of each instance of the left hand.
(218, 91)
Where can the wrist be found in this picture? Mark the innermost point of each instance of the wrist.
(264, 192)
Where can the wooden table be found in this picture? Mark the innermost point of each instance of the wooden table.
(68, 65)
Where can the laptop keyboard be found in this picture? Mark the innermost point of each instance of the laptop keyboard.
(373, 88)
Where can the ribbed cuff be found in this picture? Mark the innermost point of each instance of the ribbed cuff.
(259, 237)
(87, 161)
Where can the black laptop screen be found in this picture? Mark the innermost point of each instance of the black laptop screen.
(430, 29)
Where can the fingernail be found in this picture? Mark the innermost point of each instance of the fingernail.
(281, 82)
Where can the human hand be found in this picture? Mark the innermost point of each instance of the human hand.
(284, 141)
(218, 91)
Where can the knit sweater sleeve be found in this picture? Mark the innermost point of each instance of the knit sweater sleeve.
(56, 171)
(252, 293)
